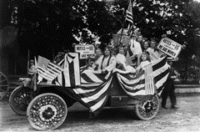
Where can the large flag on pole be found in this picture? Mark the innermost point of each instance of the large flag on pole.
(129, 16)
(129, 21)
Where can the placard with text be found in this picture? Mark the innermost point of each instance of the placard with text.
(85, 50)
(169, 47)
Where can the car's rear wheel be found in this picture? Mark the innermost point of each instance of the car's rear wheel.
(20, 99)
(47, 111)
(147, 110)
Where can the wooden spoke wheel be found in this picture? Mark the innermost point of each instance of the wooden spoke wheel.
(4, 86)
(20, 99)
(47, 111)
(148, 109)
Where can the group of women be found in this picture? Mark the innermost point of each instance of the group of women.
(141, 52)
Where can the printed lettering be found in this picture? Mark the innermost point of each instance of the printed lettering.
(167, 41)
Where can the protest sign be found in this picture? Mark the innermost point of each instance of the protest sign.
(85, 50)
(169, 47)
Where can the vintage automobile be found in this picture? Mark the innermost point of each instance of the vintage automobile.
(56, 87)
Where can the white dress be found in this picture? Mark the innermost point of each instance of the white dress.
(121, 59)
(144, 63)
(104, 64)
(135, 47)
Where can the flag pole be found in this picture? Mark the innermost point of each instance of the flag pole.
(35, 76)
(122, 32)
(28, 60)
(130, 3)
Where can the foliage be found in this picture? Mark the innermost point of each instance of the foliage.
(87, 20)
(179, 19)
(47, 26)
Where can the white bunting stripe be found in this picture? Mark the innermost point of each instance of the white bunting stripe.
(97, 95)
(98, 105)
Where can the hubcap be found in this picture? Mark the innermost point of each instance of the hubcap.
(47, 112)
(148, 108)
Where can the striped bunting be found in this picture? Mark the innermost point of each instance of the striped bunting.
(89, 77)
(132, 85)
(71, 70)
(93, 89)
(160, 72)
(147, 81)
(70, 77)
(93, 97)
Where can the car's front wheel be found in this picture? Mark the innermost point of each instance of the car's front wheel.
(148, 109)
(47, 111)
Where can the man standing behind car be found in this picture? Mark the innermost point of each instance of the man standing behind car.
(169, 89)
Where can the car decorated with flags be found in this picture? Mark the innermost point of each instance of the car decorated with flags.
(56, 87)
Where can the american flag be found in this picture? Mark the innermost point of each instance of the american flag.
(47, 70)
(54, 69)
(129, 17)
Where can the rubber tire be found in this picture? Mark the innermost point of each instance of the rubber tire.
(155, 111)
(37, 99)
(15, 107)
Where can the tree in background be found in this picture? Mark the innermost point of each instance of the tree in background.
(178, 19)
(47, 26)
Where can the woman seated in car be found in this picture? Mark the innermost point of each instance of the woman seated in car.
(104, 64)
(121, 61)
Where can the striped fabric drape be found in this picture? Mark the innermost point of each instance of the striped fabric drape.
(71, 71)
(92, 89)
(147, 81)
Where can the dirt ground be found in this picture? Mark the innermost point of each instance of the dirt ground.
(184, 119)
